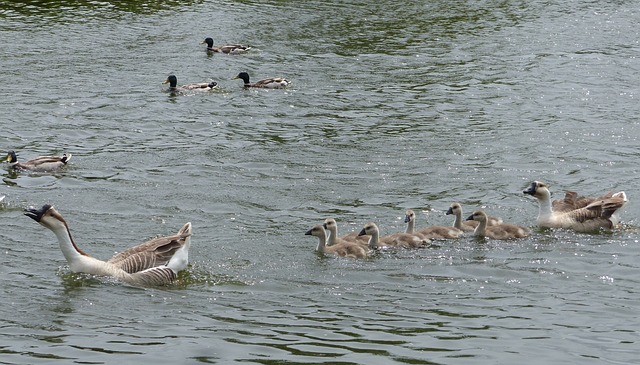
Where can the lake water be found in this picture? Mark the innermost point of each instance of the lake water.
(393, 106)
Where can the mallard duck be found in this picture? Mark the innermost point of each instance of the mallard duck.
(331, 226)
(571, 214)
(271, 83)
(227, 48)
(38, 164)
(432, 232)
(172, 80)
(155, 262)
(404, 240)
(467, 226)
(344, 249)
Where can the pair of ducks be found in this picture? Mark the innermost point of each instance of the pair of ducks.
(39, 164)
(359, 246)
(271, 83)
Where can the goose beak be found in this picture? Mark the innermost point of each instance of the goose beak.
(307, 233)
(470, 218)
(363, 232)
(531, 190)
(450, 211)
(407, 219)
(36, 214)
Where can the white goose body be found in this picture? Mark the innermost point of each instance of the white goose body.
(155, 262)
(598, 213)
(431, 232)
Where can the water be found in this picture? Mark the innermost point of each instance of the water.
(393, 106)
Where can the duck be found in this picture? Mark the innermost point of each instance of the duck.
(226, 48)
(331, 225)
(467, 226)
(172, 80)
(270, 83)
(153, 263)
(343, 249)
(403, 240)
(431, 232)
(38, 164)
(599, 213)
(502, 231)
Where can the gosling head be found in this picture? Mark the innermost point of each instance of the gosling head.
(454, 209)
(409, 216)
(330, 224)
(369, 229)
(478, 215)
(317, 230)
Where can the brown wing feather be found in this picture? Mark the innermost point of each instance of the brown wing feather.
(155, 252)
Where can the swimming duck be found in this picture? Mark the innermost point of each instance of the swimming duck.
(331, 226)
(38, 164)
(270, 83)
(344, 249)
(598, 213)
(467, 226)
(502, 231)
(227, 48)
(404, 240)
(432, 232)
(155, 262)
(172, 80)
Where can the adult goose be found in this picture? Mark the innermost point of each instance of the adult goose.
(38, 164)
(431, 232)
(502, 231)
(226, 48)
(404, 240)
(155, 262)
(464, 225)
(331, 226)
(598, 213)
(270, 83)
(344, 249)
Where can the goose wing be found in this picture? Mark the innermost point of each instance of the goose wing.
(153, 253)
(597, 214)
(155, 276)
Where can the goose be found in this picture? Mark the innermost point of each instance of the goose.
(270, 83)
(432, 232)
(405, 240)
(172, 80)
(227, 48)
(467, 226)
(331, 226)
(598, 213)
(38, 164)
(344, 249)
(155, 262)
(502, 231)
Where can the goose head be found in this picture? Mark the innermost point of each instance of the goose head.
(539, 190)
(47, 216)
(478, 215)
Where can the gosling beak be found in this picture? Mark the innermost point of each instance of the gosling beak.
(450, 211)
(470, 218)
(308, 233)
(362, 232)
